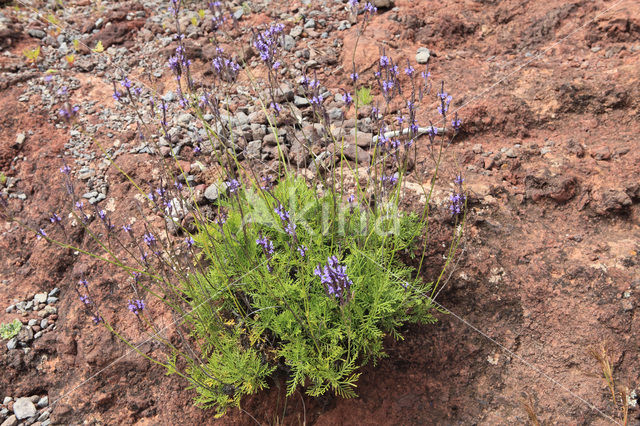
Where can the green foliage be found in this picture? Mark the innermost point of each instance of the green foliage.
(11, 329)
(363, 96)
(3, 178)
(255, 313)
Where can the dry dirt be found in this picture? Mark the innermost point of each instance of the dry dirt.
(548, 267)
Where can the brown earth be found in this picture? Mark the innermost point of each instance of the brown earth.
(548, 267)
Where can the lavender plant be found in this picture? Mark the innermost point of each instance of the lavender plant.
(296, 273)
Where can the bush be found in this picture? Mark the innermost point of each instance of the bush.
(310, 297)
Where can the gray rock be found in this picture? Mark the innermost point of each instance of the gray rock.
(298, 154)
(11, 421)
(40, 298)
(23, 408)
(384, 3)
(296, 31)
(51, 300)
(423, 55)
(36, 33)
(335, 114)
(43, 402)
(511, 153)
(37, 335)
(12, 344)
(310, 23)
(6, 400)
(300, 101)
(185, 119)
(44, 323)
(25, 335)
(212, 193)
(288, 43)
(253, 149)
(10, 309)
(32, 322)
(237, 15)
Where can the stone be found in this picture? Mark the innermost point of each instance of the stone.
(25, 335)
(477, 149)
(24, 408)
(20, 138)
(40, 298)
(422, 55)
(6, 400)
(11, 421)
(43, 402)
(36, 33)
(212, 193)
(384, 4)
(237, 15)
(12, 343)
(601, 153)
(296, 31)
(51, 300)
(253, 149)
(300, 101)
(349, 151)
(298, 154)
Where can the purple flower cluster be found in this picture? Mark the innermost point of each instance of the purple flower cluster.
(266, 244)
(266, 43)
(136, 306)
(225, 68)
(233, 185)
(334, 277)
(457, 199)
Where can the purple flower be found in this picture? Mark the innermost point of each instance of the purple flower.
(276, 107)
(389, 180)
(384, 61)
(290, 229)
(266, 245)
(409, 70)
(41, 234)
(65, 169)
(351, 199)
(97, 319)
(136, 306)
(127, 228)
(458, 180)
(55, 218)
(189, 241)
(268, 182)
(456, 123)
(149, 239)
(116, 95)
(334, 277)
(354, 76)
(280, 211)
(302, 250)
(85, 299)
(457, 203)
(83, 283)
(126, 83)
(347, 99)
(370, 8)
(233, 185)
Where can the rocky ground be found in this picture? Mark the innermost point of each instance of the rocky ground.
(550, 98)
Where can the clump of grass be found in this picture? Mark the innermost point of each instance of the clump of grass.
(11, 329)
(619, 394)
